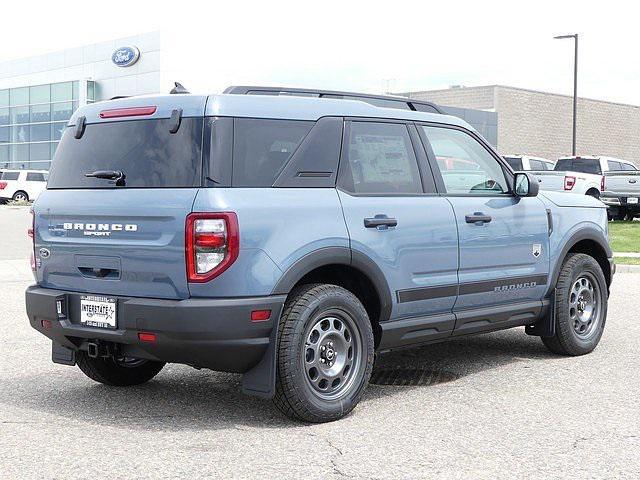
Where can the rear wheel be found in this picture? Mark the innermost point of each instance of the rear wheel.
(581, 306)
(118, 372)
(325, 353)
(20, 196)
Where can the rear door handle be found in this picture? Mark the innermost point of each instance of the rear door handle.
(477, 217)
(380, 221)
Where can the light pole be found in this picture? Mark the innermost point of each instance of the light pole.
(575, 87)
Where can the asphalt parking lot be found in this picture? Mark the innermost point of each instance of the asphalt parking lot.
(492, 406)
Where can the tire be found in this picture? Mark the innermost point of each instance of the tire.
(118, 373)
(325, 353)
(20, 196)
(580, 305)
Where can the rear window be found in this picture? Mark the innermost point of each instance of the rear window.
(10, 175)
(261, 149)
(582, 165)
(148, 154)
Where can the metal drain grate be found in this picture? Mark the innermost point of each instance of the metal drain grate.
(410, 376)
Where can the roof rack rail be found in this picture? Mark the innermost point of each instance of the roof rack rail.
(387, 101)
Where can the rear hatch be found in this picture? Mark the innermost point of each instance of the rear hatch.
(122, 237)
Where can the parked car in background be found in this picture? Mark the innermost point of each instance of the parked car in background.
(22, 185)
(581, 174)
(521, 163)
(622, 191)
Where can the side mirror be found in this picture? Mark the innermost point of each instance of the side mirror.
(525, 185)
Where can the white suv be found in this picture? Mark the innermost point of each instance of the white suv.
(22, 185)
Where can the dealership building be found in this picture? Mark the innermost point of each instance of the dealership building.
(540, 124)
(39, 94)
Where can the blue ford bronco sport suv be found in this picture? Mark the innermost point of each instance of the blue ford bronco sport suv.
(291, 238)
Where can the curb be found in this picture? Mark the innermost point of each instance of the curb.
(627, 268)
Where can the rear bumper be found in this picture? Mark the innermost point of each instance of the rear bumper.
(207, 333)
(618, 202)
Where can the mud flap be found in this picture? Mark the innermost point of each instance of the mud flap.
(62, 355)
(260, 381)
(546, 326)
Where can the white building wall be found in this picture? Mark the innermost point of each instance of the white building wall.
(92, 62)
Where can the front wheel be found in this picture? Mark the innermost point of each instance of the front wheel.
(118, 372)
(580, 306)
(325, 353)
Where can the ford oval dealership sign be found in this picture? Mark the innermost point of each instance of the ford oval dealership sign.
(125, 56)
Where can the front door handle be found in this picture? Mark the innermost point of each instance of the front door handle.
(380, 221)
(477, 217)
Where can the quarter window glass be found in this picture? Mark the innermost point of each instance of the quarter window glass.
(262, 149)
(10, 175)
(380, 159)
(466, 166)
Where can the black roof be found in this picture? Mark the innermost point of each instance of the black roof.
(377, 100)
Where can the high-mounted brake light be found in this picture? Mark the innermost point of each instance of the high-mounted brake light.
(212, 243)
(569, 182)
(128, 112)
(3, 185)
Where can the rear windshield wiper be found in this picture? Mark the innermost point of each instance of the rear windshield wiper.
(116, 175)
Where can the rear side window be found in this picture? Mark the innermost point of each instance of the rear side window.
(536, 165)
(145, 150)
(379, 158)
(261, 149)
(515, 163)
(10, 176)
(614, 166)
(35, 177)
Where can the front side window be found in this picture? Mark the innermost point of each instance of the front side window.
(629, 168)
(380, 159)
(35, 177)
(466, 166)
(261, 149)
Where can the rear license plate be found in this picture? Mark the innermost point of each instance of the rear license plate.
(632, 201)
(97, 311)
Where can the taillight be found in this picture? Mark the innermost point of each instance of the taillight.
(3, 185)
(31, 233)
(569, 182)
(128, 112)
(602, 184)
(212, 243)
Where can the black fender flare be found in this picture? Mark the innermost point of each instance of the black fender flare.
(338, 256)
(587, 233)
(260, 381)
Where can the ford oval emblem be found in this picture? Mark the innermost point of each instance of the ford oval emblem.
(125, 56)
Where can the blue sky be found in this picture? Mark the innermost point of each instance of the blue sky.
(357, 45)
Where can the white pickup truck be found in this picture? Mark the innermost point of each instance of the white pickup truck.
(582, 175)
(622, 193)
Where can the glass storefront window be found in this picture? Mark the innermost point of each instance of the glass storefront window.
(41, 113)
(62, 111)
(57, 129)
(61, 91)
(20, 134)
(19, 115)
(91, 91)
(40, 94)
(40, 132)
(19, 96)
(32, 120)
(39, 151)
